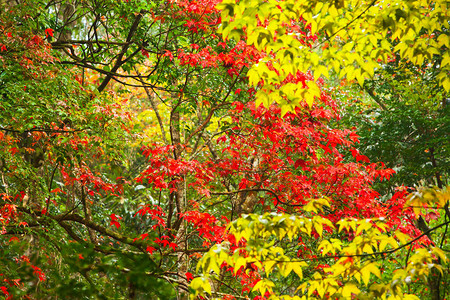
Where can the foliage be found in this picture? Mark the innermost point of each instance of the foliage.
(352, 254)
(352, 38)
(403, 121)
(60, 155)
(133, 141)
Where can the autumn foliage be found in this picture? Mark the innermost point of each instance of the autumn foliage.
(156, 155)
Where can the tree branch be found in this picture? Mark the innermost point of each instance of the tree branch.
(119, 61)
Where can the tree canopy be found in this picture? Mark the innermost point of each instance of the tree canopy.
(220, 149)
(350, 38)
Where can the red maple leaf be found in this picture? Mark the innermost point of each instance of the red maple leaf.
(114, 221)
(145, 53)
(49, 32)
(189, 276)
(4, 290)
(169, 54)
(150, 249)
